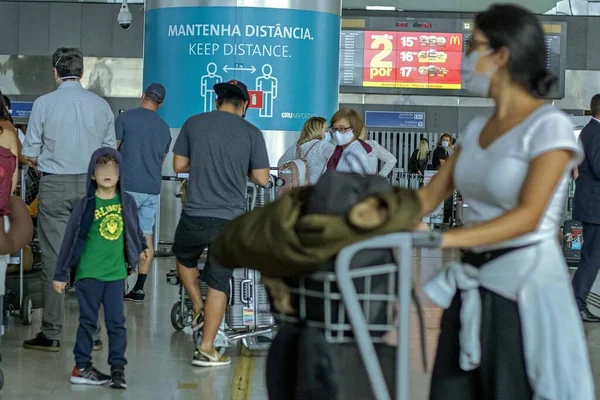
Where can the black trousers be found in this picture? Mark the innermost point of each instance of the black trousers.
(501, 374)
(589, 265)
(91, 294)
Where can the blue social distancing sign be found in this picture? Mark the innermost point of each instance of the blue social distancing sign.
(286, 58)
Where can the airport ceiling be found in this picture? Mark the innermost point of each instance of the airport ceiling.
(565, 7)
(537, 6)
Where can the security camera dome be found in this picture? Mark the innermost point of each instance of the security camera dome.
(125, 18)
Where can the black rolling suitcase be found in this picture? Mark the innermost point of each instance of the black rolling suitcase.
(572, 241)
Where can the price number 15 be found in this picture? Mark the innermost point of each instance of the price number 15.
(379, 66)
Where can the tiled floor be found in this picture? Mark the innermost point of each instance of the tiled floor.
(159, 357)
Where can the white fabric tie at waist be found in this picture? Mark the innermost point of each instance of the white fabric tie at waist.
(442, 290)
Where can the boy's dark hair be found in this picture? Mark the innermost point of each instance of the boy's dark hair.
(106, 159)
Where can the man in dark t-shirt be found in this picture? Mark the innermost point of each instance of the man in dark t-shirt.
(440, 154)
(144, 140)
(220, 150)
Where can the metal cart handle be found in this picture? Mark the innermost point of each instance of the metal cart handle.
(403, 243)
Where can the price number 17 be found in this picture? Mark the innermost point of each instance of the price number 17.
(406, 71)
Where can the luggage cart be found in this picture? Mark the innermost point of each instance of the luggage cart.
(23, 309)
(248, 314)
(346, 310)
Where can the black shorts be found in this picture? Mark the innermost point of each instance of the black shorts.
(192, 236)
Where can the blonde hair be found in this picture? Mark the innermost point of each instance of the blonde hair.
(423, 149)
(363, 134)
(355, 121)
(312, 129)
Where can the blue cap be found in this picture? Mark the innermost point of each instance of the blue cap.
(156, 92)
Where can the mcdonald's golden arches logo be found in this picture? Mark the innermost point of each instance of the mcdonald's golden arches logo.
(455, 40)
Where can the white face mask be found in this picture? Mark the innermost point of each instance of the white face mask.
(327, 137)
(343, 139)
(445, 143)
(474, 82)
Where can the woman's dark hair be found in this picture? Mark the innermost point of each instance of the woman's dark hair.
(4, 114)
(517, 29)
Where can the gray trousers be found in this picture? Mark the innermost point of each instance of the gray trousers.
(57, 197)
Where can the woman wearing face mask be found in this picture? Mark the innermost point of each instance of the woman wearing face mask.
(511, 330)
(441, 153)
(351, 154)
(312, 147)
(379, 153)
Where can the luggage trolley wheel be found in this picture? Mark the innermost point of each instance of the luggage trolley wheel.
(177, 316)
(27, 310)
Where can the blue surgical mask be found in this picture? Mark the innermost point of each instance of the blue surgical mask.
(327, 137)
(474, 82)
(343, 139)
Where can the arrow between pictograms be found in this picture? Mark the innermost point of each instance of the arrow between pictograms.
(227, 69)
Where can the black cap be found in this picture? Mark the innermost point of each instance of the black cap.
(156, 92)
(232, 87)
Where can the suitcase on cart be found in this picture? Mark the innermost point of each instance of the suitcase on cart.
(249, 305)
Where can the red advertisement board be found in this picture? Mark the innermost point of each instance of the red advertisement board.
(412, 60)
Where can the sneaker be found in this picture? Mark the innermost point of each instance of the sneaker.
(98, 345)
(136, 296)
(198, 321)
(117, 379)
(212, 359)
(88, 376)
(42, 343)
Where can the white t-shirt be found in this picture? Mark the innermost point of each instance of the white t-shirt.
(317, 158)
(490, 180)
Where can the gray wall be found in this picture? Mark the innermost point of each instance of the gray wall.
(38, 28)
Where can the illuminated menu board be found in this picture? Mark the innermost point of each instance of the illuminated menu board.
(409, 60)
(421, 57)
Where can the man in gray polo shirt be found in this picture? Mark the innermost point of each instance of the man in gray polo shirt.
(66, 126)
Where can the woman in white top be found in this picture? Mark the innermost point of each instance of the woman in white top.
(511, 329)
(351, 153)
(313, 148)
(379, 153)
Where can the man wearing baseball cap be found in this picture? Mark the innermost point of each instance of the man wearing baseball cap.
(220, 150)
(144, 140)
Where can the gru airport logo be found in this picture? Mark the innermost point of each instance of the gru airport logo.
(455, 40)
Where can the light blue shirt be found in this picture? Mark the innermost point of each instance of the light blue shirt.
(66, 126)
